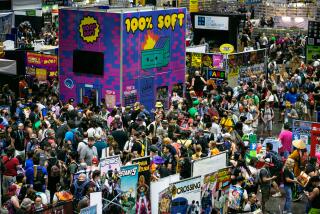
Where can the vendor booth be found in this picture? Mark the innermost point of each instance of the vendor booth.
(216, 28)
(121, 56)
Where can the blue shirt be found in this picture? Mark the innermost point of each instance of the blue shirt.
(30, 174)
(291, 97)
(29, 163)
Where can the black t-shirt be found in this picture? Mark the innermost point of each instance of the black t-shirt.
(120, 137)
(287, 174)
(136, 147)
(19, 138)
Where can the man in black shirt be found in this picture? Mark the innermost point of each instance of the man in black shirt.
(19, 139)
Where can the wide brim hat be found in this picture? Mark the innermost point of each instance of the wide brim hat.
(299, 144)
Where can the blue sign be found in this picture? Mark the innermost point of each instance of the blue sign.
(89, 210)
(253, 1)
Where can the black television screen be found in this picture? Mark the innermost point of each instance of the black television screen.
(88, 62)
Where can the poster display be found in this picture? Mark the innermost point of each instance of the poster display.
(302, 130)
(128, 184)
(44, 66)
(165, 198)
(209, 164)
(110, 98)
(214, 190)
(6, 22)
(196, 60)
(313, 52)
(143, 203)
(186, 195)
(110, 165)
(315, 139)
(157, 189)
(246, 65)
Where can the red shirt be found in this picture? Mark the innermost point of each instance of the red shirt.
(11, 166)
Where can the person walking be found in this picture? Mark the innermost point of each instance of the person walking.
(288, 181)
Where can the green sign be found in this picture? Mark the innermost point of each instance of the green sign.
(313, 52)
(31, 12)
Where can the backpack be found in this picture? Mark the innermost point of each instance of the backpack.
(276, 160)
(235, 197)
(77, 167)
(79, 190)
(55, 171)
(39, 179)
(143, 148)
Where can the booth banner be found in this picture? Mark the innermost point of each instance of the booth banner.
(143, 187)
(128, 185)
(196, 60)
(194, 6)
(196, 49)
(164, 201)
(212, 22)
(290, 22)
(112, 164)
(45, 65)
(215, 188)
(6, 20)
(315, 139)
(302, 130)
(313, 52)
(158, 188)
(186, 195)
(209, 164)
(251, 63)
(253, 1)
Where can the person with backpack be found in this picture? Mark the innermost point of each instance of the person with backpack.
(72, 168)
(37, 175)
(238, 196)
(264, 181)
(79, 188)
(89, 152)
(275, 169)
(9, 167)
(54, 173)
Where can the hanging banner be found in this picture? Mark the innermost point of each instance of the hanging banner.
(143, 204)
(6, 20)
(194, 6)
(302, 130)
(209, 164)
(186, 195)
(215, 188)
(128, 185)
(315, 139)
(110, 165)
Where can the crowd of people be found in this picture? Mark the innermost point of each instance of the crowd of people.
(51, 149)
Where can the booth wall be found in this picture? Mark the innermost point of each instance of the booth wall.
(108, 42)
(167, 55)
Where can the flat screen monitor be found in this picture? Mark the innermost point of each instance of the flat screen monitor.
(88, 62)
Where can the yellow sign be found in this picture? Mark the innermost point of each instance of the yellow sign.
(196, 60)
(89, 29)
(226, 48)
(41, 74)
(194, 6)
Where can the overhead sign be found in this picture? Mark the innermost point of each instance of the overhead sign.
(226, 48)
(212, 22)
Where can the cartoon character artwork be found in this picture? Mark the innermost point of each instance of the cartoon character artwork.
(235, 196)
(155, 51)
(143, 204)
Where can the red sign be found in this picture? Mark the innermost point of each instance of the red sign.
(315, 139)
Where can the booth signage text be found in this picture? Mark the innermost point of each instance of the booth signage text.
(89, 29)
